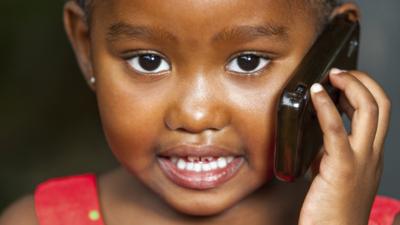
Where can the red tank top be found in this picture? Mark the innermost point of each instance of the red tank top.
(68, 201)
(74, 201)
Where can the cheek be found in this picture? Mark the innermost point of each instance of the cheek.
(255, 122)
(131, 122)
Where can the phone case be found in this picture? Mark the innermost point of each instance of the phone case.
(299, 137)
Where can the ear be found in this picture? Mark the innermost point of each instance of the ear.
(347, 7)
(77, 30)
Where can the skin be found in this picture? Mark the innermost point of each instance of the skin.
(200, 101)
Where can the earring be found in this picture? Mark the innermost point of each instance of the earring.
(92, 80)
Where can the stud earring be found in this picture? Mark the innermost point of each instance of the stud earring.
(92, 80)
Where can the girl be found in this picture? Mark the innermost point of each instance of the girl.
(187, 94)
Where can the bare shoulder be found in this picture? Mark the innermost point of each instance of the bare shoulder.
(397, 220)
(21, 212)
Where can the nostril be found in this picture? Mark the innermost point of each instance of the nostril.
(194, 131)
(197, 116)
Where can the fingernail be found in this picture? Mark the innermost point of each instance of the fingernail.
(315, 88)
(335, 71)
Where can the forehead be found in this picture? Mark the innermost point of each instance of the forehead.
(205, 17)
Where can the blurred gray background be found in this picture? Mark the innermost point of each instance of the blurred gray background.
(49, 125)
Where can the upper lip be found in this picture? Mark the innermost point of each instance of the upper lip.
(185, 150)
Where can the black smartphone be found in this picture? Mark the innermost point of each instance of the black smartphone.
(298, 134)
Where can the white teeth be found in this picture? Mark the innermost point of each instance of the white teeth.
(181, 164)
(199, 164)
(197, 167)
(205, 167)
(222, 162)
(190, 166)
(214, 165)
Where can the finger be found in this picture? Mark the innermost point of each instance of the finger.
(365, 116)
(346, 107)
(335, 137)
(384, 105)
(314, 167)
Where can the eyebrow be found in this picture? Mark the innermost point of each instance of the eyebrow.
(249, 32)
(122, 30)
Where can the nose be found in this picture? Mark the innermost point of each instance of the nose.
(198, 106)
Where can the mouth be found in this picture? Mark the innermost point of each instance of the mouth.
(202, 168)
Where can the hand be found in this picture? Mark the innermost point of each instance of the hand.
(351, 164)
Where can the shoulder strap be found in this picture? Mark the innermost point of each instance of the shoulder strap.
(384, 211)
(68, 201)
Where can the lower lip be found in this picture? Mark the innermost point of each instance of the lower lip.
(200, 180)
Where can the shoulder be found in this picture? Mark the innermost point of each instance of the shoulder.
(50, 198)
(397, 220)
(21, 212)
(385, 210)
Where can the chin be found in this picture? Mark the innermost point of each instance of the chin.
(205, 202)
(201, 209)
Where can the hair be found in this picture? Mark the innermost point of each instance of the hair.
(322, 8)
(86, 5)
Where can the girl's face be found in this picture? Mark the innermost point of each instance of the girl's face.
(204, 74)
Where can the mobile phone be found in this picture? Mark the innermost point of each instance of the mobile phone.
(298, 134)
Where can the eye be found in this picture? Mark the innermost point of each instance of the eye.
(149, 63)
(247, 63)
